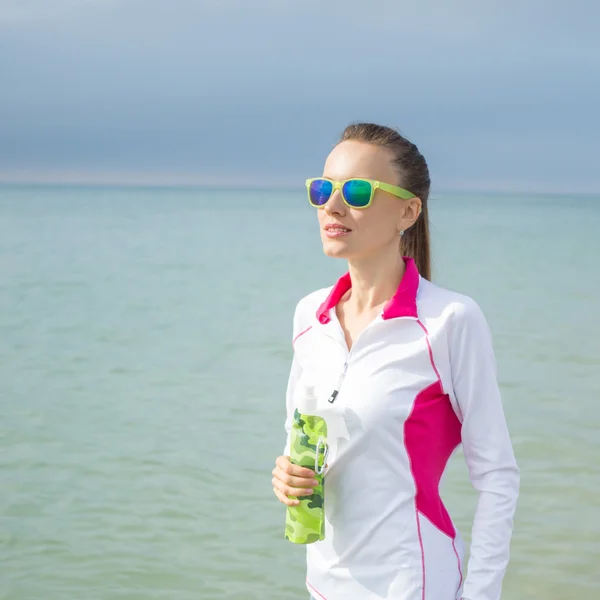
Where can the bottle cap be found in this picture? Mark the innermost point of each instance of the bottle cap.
(308, 401)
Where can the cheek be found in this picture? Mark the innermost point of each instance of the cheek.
(377, 225)
(320, 216)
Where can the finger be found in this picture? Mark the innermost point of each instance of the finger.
(283, 462)
(284, 499)
(298, 482)
(289, 490)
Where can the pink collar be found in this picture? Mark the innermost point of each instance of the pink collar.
(402, 304)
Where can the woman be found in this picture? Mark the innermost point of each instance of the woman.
(405, 372)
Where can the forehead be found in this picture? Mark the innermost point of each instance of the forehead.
(359, 159)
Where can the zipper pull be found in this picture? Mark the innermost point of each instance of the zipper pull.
(336, 391)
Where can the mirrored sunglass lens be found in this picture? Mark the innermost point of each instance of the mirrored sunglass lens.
(320, 191)
(357, 192)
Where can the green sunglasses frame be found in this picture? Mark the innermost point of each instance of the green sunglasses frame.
(375, 185)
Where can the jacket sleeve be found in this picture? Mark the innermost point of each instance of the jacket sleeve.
(294, 377)
(292, 382)
(488, 451)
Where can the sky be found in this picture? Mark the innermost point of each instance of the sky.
(497, 95)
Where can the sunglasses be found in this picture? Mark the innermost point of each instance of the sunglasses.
(356, 193)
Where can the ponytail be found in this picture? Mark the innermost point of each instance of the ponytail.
(415, 243)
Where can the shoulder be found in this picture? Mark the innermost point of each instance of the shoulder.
(454, 310)
(313, 300)
(306, 308)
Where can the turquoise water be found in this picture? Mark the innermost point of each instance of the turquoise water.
(144, 350)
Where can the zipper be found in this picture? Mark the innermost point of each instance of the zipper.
(338, 386)
(336, 391)
(375, 322)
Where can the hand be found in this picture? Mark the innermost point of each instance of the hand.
(292, 480)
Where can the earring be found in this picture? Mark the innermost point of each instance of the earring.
(401, 232)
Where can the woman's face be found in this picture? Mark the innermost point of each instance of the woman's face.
(373, 230)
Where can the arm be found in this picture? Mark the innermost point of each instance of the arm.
(488, 452)
(294, 377)
(292, 481)
(295, 372)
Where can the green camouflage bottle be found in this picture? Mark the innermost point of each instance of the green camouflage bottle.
(305, 523)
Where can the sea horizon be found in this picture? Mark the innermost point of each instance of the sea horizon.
(290, 186)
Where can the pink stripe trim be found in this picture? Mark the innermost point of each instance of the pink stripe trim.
(416, 509)
(300, 334)
(459, 567)
(437, 374)
(430, 351)
(315, 590)
(422, 550)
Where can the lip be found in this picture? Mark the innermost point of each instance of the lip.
(335, 230)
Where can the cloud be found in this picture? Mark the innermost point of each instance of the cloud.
(12, 11)
(158, 84)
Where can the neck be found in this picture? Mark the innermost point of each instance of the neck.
(374, 280)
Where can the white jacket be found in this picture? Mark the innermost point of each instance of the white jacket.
(418, 381)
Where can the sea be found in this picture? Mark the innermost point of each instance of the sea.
(145, 343)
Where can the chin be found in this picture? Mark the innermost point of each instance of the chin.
(336, 249)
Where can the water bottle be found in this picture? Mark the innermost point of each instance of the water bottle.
(305, 523)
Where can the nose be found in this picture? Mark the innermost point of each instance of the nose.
(335, 205)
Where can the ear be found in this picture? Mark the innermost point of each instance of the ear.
(412, 210)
